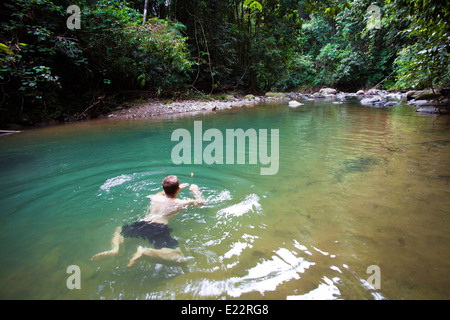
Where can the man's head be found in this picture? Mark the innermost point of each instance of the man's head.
(171, 185)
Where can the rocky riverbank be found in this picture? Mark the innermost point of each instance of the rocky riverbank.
(157, 108)
(424, 101)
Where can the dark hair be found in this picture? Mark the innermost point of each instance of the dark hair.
(170, 185)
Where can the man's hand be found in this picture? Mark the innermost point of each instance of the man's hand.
(198, 198)
(184, 185)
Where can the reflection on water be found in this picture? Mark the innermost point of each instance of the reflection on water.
(356, 187)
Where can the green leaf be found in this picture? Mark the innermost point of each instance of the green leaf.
(5, 48)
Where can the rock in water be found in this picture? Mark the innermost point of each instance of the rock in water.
(376, 100)
(294, 104)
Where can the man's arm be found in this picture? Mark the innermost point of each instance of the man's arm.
(198, 198)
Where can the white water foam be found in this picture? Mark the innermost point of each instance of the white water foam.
(249, 204)
(116, 181)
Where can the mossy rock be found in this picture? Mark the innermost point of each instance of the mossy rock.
(427, 95)
(275, 95)
(249, 96)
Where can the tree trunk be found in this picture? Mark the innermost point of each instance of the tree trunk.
(145, 11)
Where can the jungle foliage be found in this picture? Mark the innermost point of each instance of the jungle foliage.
(161, 48)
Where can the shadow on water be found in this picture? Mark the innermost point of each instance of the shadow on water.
(356, 165)
(9, 161)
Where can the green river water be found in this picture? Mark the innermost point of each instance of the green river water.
(356, 187)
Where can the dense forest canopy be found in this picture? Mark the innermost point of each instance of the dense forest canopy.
(60, 64)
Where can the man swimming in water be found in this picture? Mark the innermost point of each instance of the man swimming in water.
(154, 227)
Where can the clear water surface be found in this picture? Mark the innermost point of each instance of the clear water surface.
(356, 187)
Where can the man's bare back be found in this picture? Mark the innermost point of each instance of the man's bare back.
(163, 207)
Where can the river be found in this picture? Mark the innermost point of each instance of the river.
(357, 189)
